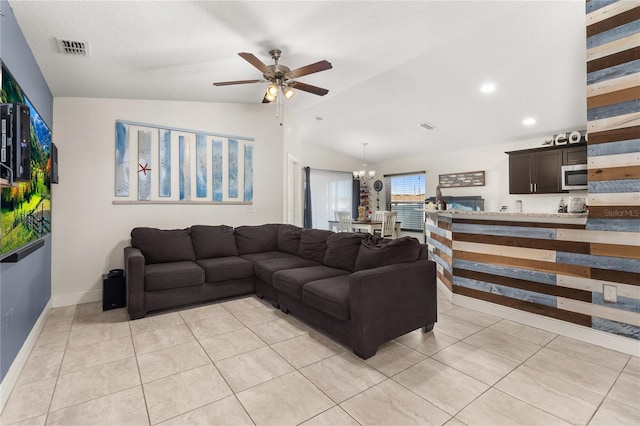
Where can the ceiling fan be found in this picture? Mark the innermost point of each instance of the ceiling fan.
(280, 77)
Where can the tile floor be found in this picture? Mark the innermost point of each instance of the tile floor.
(241, 362)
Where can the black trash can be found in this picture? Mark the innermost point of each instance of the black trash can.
(113, 291)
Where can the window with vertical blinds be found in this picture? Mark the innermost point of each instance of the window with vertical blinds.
(405, 194)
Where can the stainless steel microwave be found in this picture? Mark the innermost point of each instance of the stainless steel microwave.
(574, 177)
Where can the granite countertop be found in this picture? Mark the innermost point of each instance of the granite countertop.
(578, 218)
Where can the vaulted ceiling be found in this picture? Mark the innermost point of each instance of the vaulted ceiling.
(396, 64)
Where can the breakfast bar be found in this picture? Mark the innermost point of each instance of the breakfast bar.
(534, 262)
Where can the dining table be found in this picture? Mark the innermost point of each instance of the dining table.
(369, 226)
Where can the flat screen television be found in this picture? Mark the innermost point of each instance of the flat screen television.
(25, 208)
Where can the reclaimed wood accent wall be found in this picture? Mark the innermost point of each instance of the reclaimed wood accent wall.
(559, 270)
(555, 270)
(613, 126)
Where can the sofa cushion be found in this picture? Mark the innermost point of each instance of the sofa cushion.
(161, 276)
(256, 239)
(264, 269)
(163, 245)
(387, 252)
(342, 250)
(225, 268)
(330, 295)
(254, 257)
(289, 238)
(313, 244)
(291, 281)
(213, 241)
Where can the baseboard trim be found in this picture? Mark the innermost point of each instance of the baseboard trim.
(11, 378)
(563, 328)
(77, 298)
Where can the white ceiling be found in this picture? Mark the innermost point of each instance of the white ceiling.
(395, 63)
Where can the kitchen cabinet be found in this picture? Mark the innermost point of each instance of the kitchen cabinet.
(535, 171)
(574, 155)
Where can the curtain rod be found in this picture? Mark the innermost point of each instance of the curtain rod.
(329, 171)
(405, 174)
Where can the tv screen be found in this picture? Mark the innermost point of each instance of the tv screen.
(25, 208)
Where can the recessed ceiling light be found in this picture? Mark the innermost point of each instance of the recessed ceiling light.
(487, 88)
(529, 121)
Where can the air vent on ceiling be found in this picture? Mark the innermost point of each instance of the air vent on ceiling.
(427, 126)
(70, 47)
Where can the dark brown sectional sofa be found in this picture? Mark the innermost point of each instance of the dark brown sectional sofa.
(361, 289)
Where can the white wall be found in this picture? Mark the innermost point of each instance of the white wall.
(311, 155)
(90, 233)
(492, 159)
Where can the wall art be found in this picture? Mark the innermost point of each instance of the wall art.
(175, 165)
(457, 180)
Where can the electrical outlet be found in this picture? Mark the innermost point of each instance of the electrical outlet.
(249, 209)
(610, 293)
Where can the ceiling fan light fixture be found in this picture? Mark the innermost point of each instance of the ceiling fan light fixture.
(272, 92)
(288, 92)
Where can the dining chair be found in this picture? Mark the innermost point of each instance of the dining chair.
(344, 221)
(388, 229)
(378, 215)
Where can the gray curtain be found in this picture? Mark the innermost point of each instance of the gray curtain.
(307, 198)
(355, 198)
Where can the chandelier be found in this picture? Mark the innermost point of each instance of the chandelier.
(363, 174)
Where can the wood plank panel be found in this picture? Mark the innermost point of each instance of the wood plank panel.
(445, 281)
(442, 240)
(614, 135)
(615, 250)
(617, 71)
(611, 98)
(442, 255)
(613, 34)
(611, 22)
(613, 111)
(629, 159)
(613, 212)
(519, 252)
(524, 284)
(589, 284)
(505, 271)
(506, 231)
(613, 85)
(613, 47)
(534, 265)
(614, 186)
(614, 173)
(522, 305)
(601, 311)
(570, 246)
(617, 225)
(612, 123)
(444, 225)
(610, 11)
(603, 262)
(604, 237)
(613, 148)
(623, 199)
(614, 60)
(616, 276)
(527, 224)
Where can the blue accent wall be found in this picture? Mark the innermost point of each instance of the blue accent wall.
(25, 286)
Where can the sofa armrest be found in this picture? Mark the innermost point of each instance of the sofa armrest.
(134, 276)
(389, 301)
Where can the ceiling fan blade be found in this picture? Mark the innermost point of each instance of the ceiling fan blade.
(308, 88)
(310, 69)
(250, 57)
(265, 100)
(229, 83)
